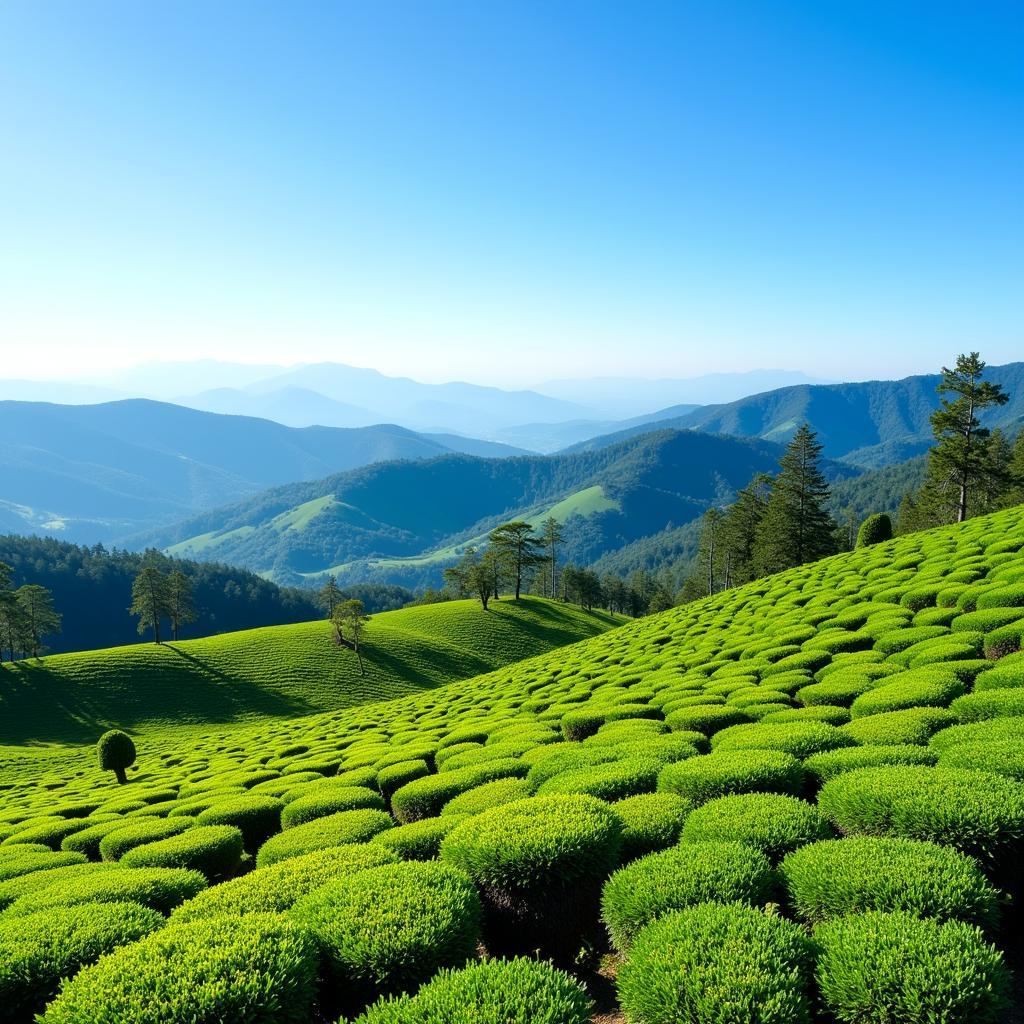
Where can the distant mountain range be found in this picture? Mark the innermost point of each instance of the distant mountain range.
(403, 522)
(874, 423)
(103, 472)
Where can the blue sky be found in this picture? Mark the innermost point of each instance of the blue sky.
(509, 192)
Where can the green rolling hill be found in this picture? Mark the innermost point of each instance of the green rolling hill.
(276, 671)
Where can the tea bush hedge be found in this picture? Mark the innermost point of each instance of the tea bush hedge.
(650, 822)
(327, 799)
(256, 817)
(213, 850)
(117, 842)
(333, 830)
(734, 771)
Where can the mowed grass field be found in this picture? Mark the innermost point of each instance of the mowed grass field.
(797, 802)
(277, 671)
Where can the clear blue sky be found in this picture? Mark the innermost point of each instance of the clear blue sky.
(507, 192)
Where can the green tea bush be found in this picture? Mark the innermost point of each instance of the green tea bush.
(1005, 640)
(490, 794)
(839, 691)
(87, 841)
(23, 863)
(892, 728)
(275, 889)
(892, 641)
(874, 530)
(253, 970)
(256, 817)
(613, 781)
(334, 830)
(117, 842)
(992, 730)
(717, 963)
(986, 620)
(698, 872)
(389, 929)
(214, 850)
(650, 822)
(800, 739)
(900, 693)
(769, 822)
(1007, 674)
(985, 704)
(566, 760)
(819, 768)
(34, 881)
(519, 991)
(830, 714)
(732, 771)
(845, 876)
(326, 799)
(424, 798)
(705, 718)
(539, 865)
(160, 889)
(879, 968)
(1001, 757)
(38, 951)
(419, 840)
(976, 812)
(394, 776)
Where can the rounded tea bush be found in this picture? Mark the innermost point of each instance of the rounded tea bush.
(161, 889)
(650, 822)
(326, 799)
(275, 889)
(612, 781)
(38, 951)
(801, 739)
(391, 928)
(424, 798)
(334, 830)
(913, 725)
(539, 864)
(115, 752)
(419, 840)
(976, 812)
(874, 530)
(251, 970)
(1001, 757)
(769, 822)
(701, 779)
(256, 817)
(519, 991)
(845, 876)
(25, 860)
(117, 842)
(822, 767)
(879, 968)
(705, 718)
(717, 963)
(213, 850)
(685, 875)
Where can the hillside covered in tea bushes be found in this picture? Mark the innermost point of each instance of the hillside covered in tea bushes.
(797, 801)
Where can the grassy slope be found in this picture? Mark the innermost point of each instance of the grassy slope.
(278, 670)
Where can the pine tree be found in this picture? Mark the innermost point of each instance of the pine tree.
(150, 600)
(1015, 492)
(907, 517)
(517, 549)
(38, 617)
(551, 536)
(329, 596)
(739, 531)
(710, 566)
(12, 624)
(959, 464)
(181, 608)
(350, 615)
(796, 528)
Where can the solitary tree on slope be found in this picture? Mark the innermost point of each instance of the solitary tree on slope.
(181, 608)
(150, 599)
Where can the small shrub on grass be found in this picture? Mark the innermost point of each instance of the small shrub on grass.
(256, 817)
(275, 889)
(650, 822)
(705, 718)
(327, 799)
(214, 850)
(490, 794)
(822, 767)
(879, 968)
(976, 812)
(892, 728)
(539, 864)
(161, 889)
(874, 530)
(732, 771)
(389, 929)
(845, 876)
(612, 781)
(115, 752)
(769, 822)
(38, 951)
(117, 842)
(334, 830)
(519, 991)
(254, 970)
(717, 963)
(800, 739)
(687, 874)
(419, 840)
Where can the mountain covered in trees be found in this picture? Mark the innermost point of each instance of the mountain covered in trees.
(91, 589)
(103, 472)
(869, 424)
(405, 521)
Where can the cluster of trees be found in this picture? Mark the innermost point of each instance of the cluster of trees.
(346, 614)
(27, 617)
(971, 470)
(158, 594)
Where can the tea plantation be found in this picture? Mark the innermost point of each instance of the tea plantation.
(798, 801)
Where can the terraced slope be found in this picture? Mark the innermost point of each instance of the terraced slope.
(797, 801)
(277, 671)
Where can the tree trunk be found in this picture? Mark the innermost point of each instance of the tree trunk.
(120, 775)
(359, 658)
